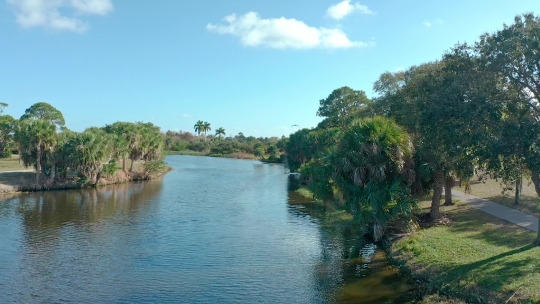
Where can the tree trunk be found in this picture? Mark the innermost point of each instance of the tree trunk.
(535, 177)
(537, 243)
(124, 164)
(53, 172)
(448, 183)
(131, 167)
(19, 155)
(38, 164)
(438, 180)
(519, 181)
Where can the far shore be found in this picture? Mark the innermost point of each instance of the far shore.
(14, 177)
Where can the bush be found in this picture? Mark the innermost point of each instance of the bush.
(154, 167)
(5, 154)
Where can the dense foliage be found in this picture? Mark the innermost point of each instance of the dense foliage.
(476, 109)
(43, 142)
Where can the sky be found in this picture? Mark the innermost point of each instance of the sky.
(257, 67)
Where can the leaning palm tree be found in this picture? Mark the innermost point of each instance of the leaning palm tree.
(206, 128)
(220, 132)
(199, 127)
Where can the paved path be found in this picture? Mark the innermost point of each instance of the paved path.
(16, 171)
(514, 216)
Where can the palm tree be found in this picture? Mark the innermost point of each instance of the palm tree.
(373, 167)
(36, 138)
(220, 133)
(206, 128)
(199, 127)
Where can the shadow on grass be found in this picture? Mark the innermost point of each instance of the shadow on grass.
(528, 204)
(479, 225)
(16, 178)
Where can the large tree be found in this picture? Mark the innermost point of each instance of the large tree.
(514, 53)
(342, 105)
(44, 111)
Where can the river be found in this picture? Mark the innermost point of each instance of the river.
(212, 230)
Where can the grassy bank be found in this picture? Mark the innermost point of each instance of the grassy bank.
(492, 190)
(474, 257)
(237, 155)
(11, 164)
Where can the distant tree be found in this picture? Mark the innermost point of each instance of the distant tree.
(36, 137)
(342, 105)
(7, 128)
(220, 132)
(44, 111)
(199, 127)
(206, 129)
(3, 105)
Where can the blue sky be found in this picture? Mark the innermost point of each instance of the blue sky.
(256, 67)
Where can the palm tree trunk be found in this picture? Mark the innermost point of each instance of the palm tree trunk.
(448, 183)
(124, 164)
(438, 180)
(131, 166)
(38, 164)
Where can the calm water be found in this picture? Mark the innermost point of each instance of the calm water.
(211, 231)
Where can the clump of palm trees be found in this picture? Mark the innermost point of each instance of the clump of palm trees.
(46, 144)
(202, 127)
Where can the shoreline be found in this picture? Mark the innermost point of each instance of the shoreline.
(119, 177)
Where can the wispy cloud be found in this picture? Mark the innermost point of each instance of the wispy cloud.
(282, 33)
(431, 24)
(399, 69)
(340, 10)
(186, 116)
(47, 13)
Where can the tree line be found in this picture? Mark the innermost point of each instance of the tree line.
(43, 142)
(475, 110)
(265, 148)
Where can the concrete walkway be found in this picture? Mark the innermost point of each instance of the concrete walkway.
(514, 216)
(17, 171)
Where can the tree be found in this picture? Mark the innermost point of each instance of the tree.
(3, 105)
(91, 149)
(373, 168)
(342, 105)
(44, 111)
(36, 137)
(514, 52)
(220, 132)
(206, 128)
(199, 127)
(7, 128)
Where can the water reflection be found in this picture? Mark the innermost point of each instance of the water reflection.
(212, 230)
(351, 269)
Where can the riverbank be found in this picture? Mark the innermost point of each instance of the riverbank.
(468, 257)
(236, 155)
(16, 178)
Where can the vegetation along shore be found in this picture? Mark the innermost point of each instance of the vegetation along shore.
(63, 159)
(391, 162)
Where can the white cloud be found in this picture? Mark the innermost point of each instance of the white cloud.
(399, 69)
(344, 8)
(282, 33)
(426, 23)
(186, 116)
(439, 21)
(46, 13)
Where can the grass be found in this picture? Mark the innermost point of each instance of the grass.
(186, 152)
(11, 164)
(492, 190)
(478, 258)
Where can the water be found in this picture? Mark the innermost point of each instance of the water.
(211, 231)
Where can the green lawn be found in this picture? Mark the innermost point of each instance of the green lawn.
(492, 190)
(477, 257)
(11, 164)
